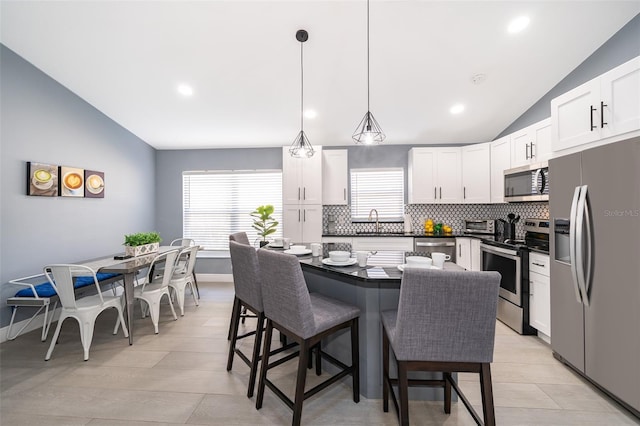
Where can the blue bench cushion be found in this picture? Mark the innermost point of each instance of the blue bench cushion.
(46, 289)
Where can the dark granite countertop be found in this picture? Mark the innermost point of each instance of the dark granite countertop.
(393, 234)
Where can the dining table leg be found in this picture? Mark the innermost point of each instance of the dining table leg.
(128, 299)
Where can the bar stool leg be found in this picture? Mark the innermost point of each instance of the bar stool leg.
(355, 359)
(385, 371)
(235, 319)
(403, 390)
(447, 392)
(235, 302)
(300, 382)
(265, 363)
(256, 354)
(487, 395)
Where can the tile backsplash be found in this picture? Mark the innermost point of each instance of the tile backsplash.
(451, 214)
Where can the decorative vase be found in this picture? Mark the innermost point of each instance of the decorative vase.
(141, 250)
(263, 243)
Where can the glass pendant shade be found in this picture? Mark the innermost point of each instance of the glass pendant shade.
(301, 147)
(368, 131)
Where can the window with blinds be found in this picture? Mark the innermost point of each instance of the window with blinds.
(216, 204)
(380, 189)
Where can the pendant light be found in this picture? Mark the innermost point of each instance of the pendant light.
(368, 131)
(301, 147)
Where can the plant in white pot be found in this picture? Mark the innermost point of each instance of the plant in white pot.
(264, 223)
(141, 243)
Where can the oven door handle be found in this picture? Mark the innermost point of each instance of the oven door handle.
(421, 244)
(512, 254)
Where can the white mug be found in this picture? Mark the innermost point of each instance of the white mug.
(278, 241)
(316, 249)
(362, 257)
(439, 259)
(286, 242)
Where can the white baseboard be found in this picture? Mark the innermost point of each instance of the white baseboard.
(219, 278)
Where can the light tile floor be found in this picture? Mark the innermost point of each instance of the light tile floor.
(179, 377)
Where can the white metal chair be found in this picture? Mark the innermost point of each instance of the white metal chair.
(181, 279)
(85, 310)
(156, 285)
(181, 265)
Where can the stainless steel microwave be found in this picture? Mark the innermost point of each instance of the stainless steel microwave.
(527, 183)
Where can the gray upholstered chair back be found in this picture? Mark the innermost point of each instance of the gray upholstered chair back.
(240, 237)
(446, 315)
(246, 274)
(284, 292)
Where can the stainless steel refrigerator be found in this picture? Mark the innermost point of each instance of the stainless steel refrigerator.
(594, 204)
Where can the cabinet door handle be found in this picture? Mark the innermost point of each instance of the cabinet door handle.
(526, 151)
(538, 264)
(591, 111)
(304, 215)
(459, 250)
(441, 193)
(298, 215)
(602, 122)
(304, 193)
(532, 154)
(345, 194)
(435, 193)
(464, 192)
(298, 193)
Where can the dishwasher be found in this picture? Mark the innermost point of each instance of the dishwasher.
(427, 245)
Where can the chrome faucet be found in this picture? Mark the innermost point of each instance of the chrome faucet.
(371, 216)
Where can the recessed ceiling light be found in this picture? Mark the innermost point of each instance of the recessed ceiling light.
(185, 90)
(518, 24)
(310, 113)
(456, 109)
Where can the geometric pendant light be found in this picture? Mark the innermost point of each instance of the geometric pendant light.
(368, 131)
(301, 147)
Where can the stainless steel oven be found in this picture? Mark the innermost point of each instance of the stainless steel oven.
(509, 263)
(513, 297)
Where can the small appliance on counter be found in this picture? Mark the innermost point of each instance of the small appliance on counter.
(480, 226)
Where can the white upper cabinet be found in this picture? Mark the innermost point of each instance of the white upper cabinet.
(606, 106)
(500, 161)
(620, 91)
(302, 223)
(335, 177)
(531, 144)
(421, 176)
(434, 175)
(476, 173)
(302, 178)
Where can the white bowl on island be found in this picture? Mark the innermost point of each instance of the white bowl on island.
(418, 262)
(339, 256)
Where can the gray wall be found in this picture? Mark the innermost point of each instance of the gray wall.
(620, 48)
(42, 121)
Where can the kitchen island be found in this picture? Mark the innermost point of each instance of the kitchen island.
(372, 289)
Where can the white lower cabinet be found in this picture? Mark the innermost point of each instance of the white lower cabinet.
(539, 293)
(303, 224)
(468, 253)
(476, 255)
(463, 252)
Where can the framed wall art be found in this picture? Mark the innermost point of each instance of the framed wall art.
(93, 184)
(42, 179)
(71, 181)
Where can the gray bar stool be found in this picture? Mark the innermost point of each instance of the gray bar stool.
(445, 322)
(239, 237)
(246, 281)
(306, 319)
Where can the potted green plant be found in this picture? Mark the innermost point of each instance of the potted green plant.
(264, 223)
(141, 243)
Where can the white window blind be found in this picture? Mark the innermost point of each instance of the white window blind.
(380, 189)
(216, 204)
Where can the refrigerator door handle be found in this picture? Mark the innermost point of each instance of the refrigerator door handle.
(589, 245)
(582, 249)
(572, 243)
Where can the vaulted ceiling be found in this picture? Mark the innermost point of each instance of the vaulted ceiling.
(242, 60)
